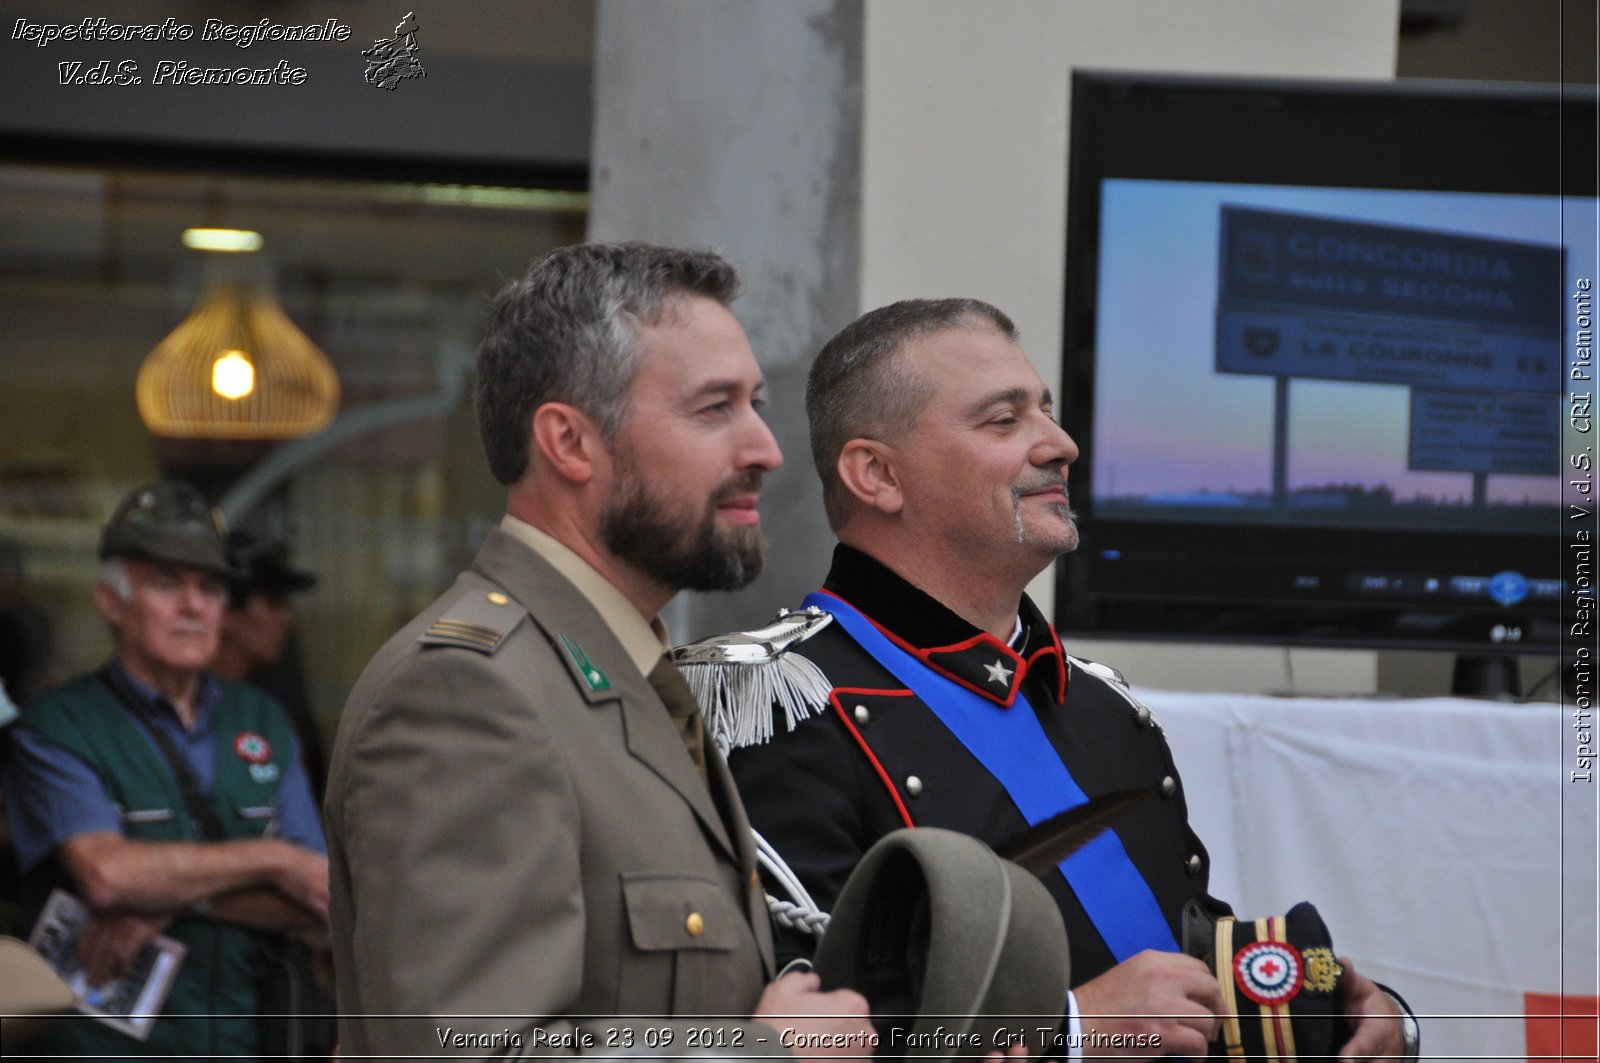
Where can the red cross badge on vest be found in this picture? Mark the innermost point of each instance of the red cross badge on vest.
(252, 747)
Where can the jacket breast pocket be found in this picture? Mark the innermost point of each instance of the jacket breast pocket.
(682, 929)
(258, 820)
(150, 824)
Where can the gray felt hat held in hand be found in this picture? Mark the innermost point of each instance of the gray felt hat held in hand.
(936, 931)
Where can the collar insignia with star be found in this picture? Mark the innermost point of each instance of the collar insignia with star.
(999, 673)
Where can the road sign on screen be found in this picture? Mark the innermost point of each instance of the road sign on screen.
(1464, 432)
(1303, 295)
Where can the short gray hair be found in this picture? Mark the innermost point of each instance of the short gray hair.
(861, 386)
(114, 574)
(568, 331)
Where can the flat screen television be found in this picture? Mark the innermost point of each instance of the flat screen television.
(1319, 344)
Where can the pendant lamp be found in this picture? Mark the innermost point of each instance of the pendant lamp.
(236, 368)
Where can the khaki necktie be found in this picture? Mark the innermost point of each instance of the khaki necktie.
(685, 711)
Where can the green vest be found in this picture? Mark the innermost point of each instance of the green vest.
(216, 983)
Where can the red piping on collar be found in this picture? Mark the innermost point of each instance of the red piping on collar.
(1020, 672)
(1054, 649)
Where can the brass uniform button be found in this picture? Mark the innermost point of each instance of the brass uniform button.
(1192, 865)
(1169, 786)
(499, 599)
(913, 786)
(1142, 715)
(695, 925)
(862, 715)
(755, 877)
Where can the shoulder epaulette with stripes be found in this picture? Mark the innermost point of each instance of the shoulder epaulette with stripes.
(478, 620)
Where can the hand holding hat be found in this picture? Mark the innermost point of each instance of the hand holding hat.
(956, 946)
(1166, 1002)
(1285, 994)
(1379, 1031)
(948, 943)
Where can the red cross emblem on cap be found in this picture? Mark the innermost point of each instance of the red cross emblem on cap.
(1268, 972)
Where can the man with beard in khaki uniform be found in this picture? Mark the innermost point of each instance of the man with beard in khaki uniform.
(533, 848)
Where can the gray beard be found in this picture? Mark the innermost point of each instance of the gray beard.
(1069, 540)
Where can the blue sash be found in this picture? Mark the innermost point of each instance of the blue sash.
(1012, 747)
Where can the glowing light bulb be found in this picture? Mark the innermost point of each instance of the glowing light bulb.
(236, 240)
(232, 375)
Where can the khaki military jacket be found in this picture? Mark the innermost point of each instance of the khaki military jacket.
(524, 859)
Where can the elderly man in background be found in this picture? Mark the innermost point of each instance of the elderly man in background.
(166, 800)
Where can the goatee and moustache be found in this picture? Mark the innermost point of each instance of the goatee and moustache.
(1064, 541)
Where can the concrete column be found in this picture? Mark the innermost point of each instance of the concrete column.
(736, 125)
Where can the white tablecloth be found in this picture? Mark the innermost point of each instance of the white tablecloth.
(1444, 841)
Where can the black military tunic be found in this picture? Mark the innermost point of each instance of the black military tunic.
(877, 759)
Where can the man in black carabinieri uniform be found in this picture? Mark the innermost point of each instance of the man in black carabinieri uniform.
(944, 696)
